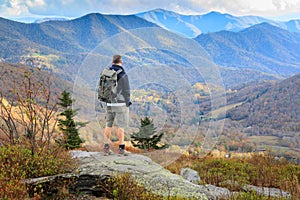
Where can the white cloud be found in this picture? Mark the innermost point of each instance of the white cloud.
(245, 7)
(76, 8)
(35, 3)
(13, 8)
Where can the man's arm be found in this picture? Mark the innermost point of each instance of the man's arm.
(125, 89)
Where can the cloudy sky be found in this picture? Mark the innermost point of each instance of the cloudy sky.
(276, 9)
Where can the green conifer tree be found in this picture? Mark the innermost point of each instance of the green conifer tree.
(67, 125)
(147, 138)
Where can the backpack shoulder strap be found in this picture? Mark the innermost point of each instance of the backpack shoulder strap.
(119, 71)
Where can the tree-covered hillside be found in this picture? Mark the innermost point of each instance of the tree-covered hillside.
(275, 106)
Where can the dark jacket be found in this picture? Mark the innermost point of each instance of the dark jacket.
(123, 88)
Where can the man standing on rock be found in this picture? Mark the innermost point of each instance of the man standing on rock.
(117, 111)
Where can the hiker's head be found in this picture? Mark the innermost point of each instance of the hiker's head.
(117, 59)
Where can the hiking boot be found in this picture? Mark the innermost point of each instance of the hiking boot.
(122, 150)
(107, 151)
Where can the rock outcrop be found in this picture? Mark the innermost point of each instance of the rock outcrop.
(94, 169)
(150, 174)
(145, 171)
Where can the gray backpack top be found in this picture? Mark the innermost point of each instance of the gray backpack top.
(107, 89)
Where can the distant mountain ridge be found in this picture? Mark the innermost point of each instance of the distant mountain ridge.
(50, 19)
(70, 41)
(194, 25)
(259, 52)
(262, 47)
(77, 35)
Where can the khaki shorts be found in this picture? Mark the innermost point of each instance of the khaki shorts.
(117, 116)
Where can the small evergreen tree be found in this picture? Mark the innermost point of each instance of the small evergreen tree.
(67, 125)
(147, 138)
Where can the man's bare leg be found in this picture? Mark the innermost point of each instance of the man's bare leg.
(107, 134)
(121, 135)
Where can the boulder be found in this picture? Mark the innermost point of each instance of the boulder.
(213, 191)
(265, 191)
(190, 175)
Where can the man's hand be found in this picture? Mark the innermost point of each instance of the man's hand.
(128, 103)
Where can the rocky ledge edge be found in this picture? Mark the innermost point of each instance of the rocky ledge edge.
(94, 169)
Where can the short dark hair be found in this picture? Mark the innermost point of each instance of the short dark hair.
(116, 59)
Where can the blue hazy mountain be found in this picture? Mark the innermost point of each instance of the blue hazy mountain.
(262, 47)
(61, 45)
(262, 51)
(62, 36)
(193, 25)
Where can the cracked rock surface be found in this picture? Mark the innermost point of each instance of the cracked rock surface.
(152, 175)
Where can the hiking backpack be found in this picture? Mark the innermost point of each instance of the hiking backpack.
(107, 89)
